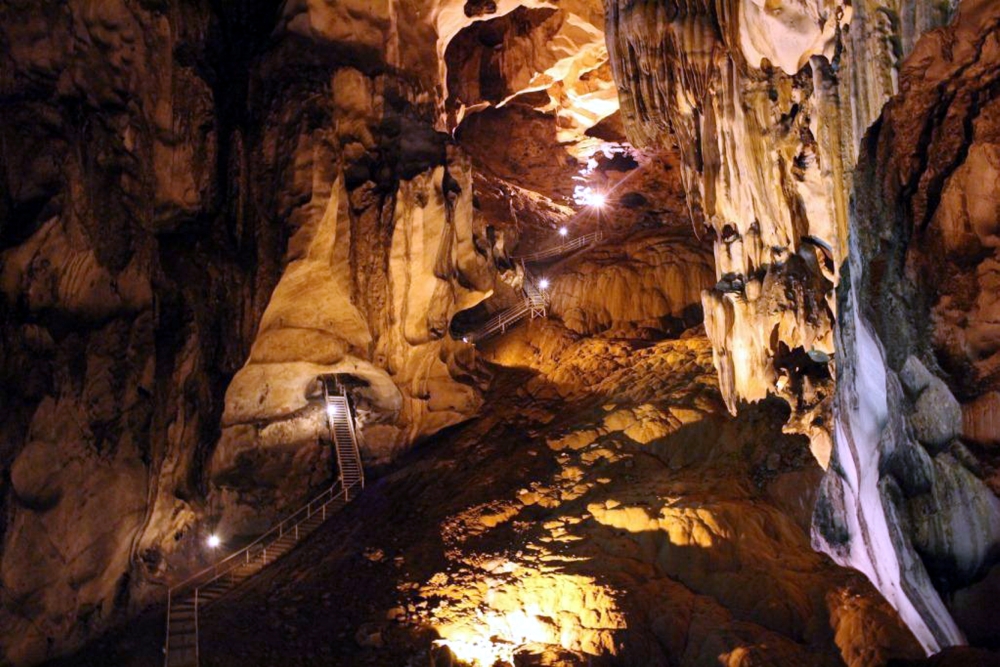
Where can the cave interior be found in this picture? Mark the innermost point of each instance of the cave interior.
(517, 333)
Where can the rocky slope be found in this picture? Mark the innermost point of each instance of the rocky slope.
(605, 509)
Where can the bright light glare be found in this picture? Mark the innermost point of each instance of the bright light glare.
(594, 199)
(563, 231)
(333, 410)
(502, 635)
(465, 339)
(543, 283)
(213, 541)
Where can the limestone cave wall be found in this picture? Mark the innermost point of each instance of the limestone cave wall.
(912, 498)
(768, 104)
(202, 208)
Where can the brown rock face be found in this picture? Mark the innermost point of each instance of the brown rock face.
(186, 192)
(918, 260)
(206, 207)
(767, 103)
(134, 262)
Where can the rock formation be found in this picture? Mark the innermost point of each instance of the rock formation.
(906, 498)
(768, 103)
(205, 208)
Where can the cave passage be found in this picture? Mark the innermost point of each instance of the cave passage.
(480, 333)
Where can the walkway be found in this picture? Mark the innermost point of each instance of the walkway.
(536, 300)
(562, 248)
(187, 599)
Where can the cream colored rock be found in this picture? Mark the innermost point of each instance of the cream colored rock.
(387, 331)
(644, 424)
(789, 32)
(766, 164)
(646, 281)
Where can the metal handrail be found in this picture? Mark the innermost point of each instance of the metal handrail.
(248, 550)
(534, 300)
(357, 451)
(250, 553)
(257, 550)
(504, 315)
(502, 320)
(562, 248)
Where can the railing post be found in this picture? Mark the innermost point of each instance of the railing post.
(197, 657)
(296, 532)
(166, 642)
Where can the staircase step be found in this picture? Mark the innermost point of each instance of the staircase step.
(182, 631)
(183, 642)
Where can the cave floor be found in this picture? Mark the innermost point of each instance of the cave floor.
(604, 504)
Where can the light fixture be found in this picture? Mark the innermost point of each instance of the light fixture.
(213, 541)
(465, 339)
(595, 199)
(563, 231)
(543, 283)
(333, 410)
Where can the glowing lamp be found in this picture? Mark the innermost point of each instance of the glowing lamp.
(563, 231)
(333, 410)
(465, 339)
(595, 199)
(213, 541)
(543, 283)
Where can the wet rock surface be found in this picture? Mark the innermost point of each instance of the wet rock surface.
(901, 380)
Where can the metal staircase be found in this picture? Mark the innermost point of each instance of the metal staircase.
(562, 248)
(345, 440)
(186, 600)
(536, 301)
(534, 304)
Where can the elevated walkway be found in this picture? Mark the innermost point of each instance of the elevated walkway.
(535, 300)
(186, 600)
(535, 303)
(561, 248)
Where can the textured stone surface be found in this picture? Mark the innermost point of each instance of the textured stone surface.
(605, 508)
(205, 207)
(173, 180)
(899, 310)
(767, 103)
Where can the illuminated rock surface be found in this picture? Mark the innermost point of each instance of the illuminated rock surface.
(607, 508)
(913, 504)
(768, 103)
(205, 207)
